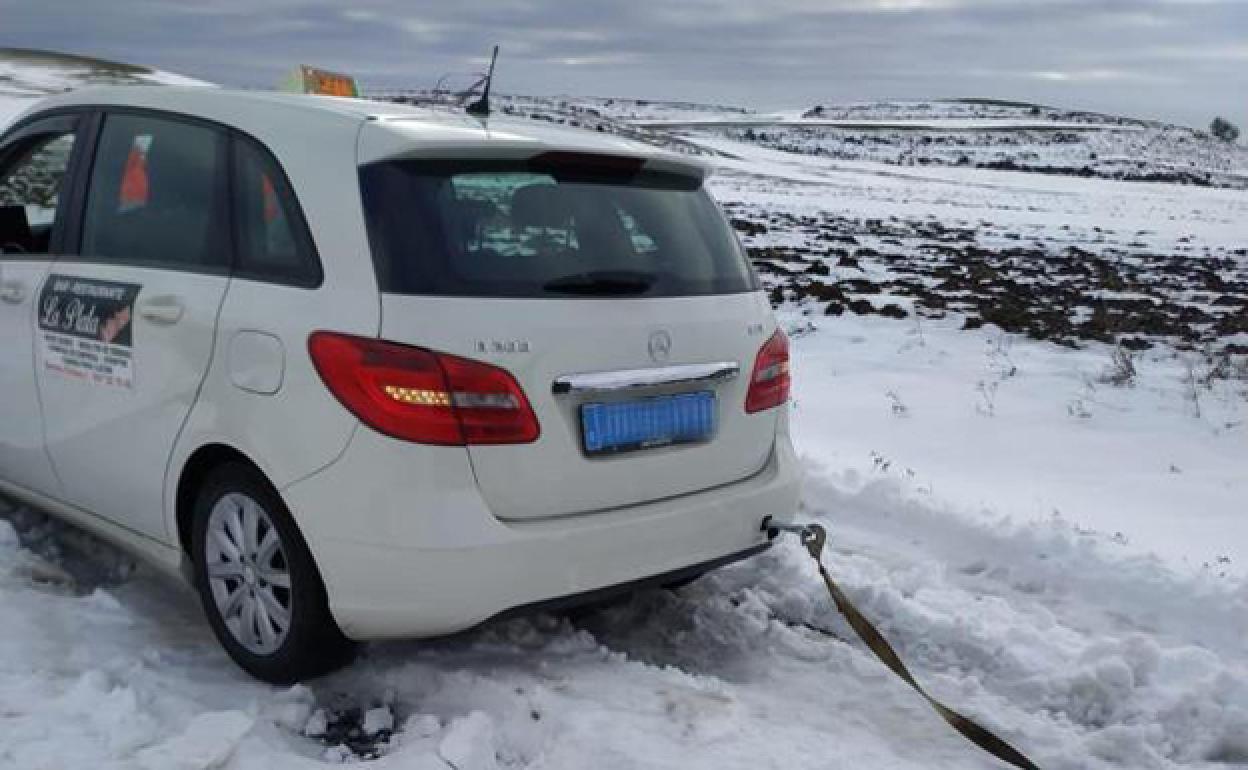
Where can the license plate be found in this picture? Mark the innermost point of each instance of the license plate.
(626, 426)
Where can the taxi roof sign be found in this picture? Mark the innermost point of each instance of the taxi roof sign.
(312, 80)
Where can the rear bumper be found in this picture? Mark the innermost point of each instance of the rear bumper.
(408, 548)
(608, 593)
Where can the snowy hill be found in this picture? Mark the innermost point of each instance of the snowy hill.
(1007, 137)
(976, 133)
(27, 74)
(970, 133)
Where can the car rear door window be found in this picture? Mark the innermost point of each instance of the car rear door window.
(157, 195)
(272, 239)
(31, 190)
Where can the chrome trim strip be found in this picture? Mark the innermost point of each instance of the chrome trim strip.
(628, 379)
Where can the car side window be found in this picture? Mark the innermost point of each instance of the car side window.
(156, 195)
(31, 191)
(272, 241)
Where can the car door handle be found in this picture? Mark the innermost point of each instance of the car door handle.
(12, 292)
(165, 310)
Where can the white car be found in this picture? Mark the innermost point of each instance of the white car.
(363, 371)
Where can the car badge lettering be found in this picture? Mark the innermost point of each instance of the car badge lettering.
(660, 346)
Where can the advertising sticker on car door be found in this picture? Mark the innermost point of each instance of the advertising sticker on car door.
(86, 330)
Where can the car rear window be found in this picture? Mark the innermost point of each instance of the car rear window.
(537, 229)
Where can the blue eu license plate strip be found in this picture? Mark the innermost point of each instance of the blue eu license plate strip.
(649, 422)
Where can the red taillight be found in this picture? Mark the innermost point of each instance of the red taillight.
(769, 383)
(422, 396)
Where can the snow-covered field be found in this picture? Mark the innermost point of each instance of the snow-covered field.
(1002, 424)
(27, 74)
(1056, 545)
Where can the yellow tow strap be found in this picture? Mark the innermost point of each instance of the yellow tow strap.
(813, 537)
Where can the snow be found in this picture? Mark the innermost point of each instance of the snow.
(1080, 653)
(942, 124)
(994, 137)
(10, 109)
(1010, 427)
(998, 423)
(469, 743)
(1058, 556)
(38, 75)
(208, 741)
(26, 77)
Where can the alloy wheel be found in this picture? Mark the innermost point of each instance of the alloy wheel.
(248, 573)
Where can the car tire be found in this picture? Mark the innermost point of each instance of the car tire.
(258, 583)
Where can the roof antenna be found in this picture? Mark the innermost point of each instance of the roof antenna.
(481, 107)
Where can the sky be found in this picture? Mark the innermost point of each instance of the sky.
(1178, 60)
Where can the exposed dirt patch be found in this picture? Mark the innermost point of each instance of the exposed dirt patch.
(1115, 287)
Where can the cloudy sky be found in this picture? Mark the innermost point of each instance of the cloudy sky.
(1183, 60)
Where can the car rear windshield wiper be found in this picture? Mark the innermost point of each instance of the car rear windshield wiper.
(602, 283)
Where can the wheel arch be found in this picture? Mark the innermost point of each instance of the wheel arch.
(323, 647)
(198, 465)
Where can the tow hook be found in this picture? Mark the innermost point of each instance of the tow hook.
(773, 529)
(813, 536)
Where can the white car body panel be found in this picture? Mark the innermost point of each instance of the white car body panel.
(558, 479)
(442, 562)
(296, 430)
(110, 444)
(169, 559)
(23, 454)
(410, 539)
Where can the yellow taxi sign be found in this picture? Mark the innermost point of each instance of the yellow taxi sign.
(311, 80)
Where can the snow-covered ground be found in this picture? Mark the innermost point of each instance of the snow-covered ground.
(26, 75)
(1008, 428)
(999, 424)
(1056, 549)
(965, 133)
